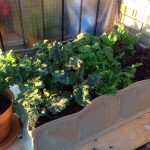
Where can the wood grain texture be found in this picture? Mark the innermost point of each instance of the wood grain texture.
(126, 137)
(104, 114)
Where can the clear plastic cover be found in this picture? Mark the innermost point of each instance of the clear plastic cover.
(24, 22)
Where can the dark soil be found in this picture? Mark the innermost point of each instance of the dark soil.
(145, 147)
(71, 109)
(4, 103)
(142, 55)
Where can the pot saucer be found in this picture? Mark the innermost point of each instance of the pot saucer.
(15, 129)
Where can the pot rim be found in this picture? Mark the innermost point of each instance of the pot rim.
(10, 106)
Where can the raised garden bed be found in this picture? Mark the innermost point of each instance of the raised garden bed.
(62, 79)
(103, 115)
(58, 81)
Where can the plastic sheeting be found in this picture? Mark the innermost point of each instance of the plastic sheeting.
(53, 19)
(89, 16)
(31, 12)
(92, 16)
(58, 20)
(71, 18)
(108, 15)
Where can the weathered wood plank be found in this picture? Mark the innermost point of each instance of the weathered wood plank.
(104, 114)
(126, 137)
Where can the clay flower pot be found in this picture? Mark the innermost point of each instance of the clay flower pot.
(6, 117)
(9, 122)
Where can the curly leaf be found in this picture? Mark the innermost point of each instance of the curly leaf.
(93, 80)
(57, 104)
(61, 76)
(75, 63)
(81, 93)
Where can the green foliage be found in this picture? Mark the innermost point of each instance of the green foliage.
(81, 93)
(79, 71)
(9, 71)
(125, 42)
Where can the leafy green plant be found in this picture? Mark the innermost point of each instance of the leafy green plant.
(9, 70)
(79, 71)
(123, 42)
(10, 74)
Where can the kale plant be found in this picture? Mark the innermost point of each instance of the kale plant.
(78, 71)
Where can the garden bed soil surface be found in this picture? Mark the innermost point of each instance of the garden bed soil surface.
(145, 147)
(71, 109)
(142, 55)
(4, 103)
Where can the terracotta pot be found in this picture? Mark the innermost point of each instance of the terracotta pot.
(6, 117)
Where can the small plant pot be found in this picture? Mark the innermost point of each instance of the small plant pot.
(6, 117)
(9, 122)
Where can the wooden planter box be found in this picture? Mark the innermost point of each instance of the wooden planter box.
(90, 128)
(86, 127)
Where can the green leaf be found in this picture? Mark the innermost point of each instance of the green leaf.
(61, 76)
(75, 63)
(46, 93)
(93, 80)
(38, 83)
(57, 104)
(81, 93)
(113, 37)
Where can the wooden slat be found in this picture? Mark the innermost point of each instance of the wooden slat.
(126, 137)
(104, 114)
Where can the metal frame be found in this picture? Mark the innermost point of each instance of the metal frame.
(1, 40)
(80, 17)
(96, 21)
(63, 20)
(21, 22)
(123, 14)
(63, 11)
(43, 18)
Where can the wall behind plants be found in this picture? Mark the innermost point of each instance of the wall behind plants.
(135, 14)
(28, 21)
